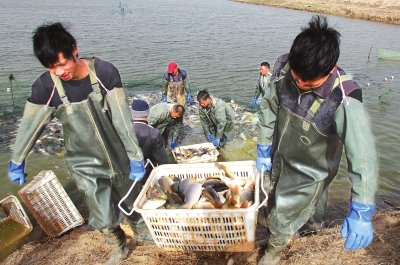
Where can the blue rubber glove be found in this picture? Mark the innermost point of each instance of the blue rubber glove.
(189, 97)
(264, 157)
(137, 170)
(357, 226)
(217, 142)
(254, 102)
(16, 173)
(209, 138)
(164, 98)
(173, 144)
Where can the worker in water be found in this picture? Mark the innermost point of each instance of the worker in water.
(313, 111)
(216, 116)
(175, 84)
(263, 83)
(166, 117)
(102, 152)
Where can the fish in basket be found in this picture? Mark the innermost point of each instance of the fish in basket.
(202, 206)
(196, 153)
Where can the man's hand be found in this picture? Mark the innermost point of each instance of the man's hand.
(137, 170)
(254, 102)
(16, 173)
(357, 226)
(217, 142)
(209, 138)
(173, 144)
(264, 157)
(164, 98)
(188, 97)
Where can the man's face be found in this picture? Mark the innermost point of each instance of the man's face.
(309, 84)
(175, 72)
(66, 69)
(264, 70)
(174, 114)
(205, 102)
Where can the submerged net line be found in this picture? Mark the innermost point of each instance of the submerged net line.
(15, 93)
(388, 54)
(390, 95)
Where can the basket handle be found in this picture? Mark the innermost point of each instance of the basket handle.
(262, 187)
(129, 192)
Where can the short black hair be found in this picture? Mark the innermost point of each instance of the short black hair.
(315, 51)
(265, 64)
(51, 39)
(179, 109)
(203, 95)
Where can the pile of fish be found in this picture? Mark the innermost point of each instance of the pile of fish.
(184, 154)
(218, 191)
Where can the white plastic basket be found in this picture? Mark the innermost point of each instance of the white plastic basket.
(10, 208)
(210, 158)
(230, 230)
(51, 206)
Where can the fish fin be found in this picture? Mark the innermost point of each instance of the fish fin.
(245, 204)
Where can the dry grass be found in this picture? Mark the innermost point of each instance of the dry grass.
(88, 247)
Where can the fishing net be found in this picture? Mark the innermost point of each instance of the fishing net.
(388, 54)
(14, 93)
(152, 84)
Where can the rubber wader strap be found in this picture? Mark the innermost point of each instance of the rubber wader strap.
(92, 73)
(279, 79)
(317, 103)
(93, 81)
(284, 69)
(208, 117)
(60, 88)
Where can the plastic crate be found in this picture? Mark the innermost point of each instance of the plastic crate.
(230, 230)
(210, 158)
(10, 208)
(51, 206)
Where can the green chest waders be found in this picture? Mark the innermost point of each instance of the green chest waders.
(176, 91)
(305, 162)
(95, 154)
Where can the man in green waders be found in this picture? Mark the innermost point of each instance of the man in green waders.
(175, 84)
(165, 117)
(313, 110)
(263, 83)
(216, 115)
(102, 153)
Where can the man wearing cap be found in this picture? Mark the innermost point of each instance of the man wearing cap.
(150, 139)
(163, 117)
(175, 83)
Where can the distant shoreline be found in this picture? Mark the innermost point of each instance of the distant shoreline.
(385, 11)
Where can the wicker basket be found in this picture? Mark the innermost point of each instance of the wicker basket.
(51, 206)
(209, 158)
(202, 229)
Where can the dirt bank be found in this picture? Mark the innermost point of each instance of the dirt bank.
(386, 11)
(81, 246)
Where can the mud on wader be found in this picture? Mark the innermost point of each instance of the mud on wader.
(97, 157)
(295, 186)
(176, 90)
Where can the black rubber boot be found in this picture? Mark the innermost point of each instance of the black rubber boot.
(140, 231)
(116, 240)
